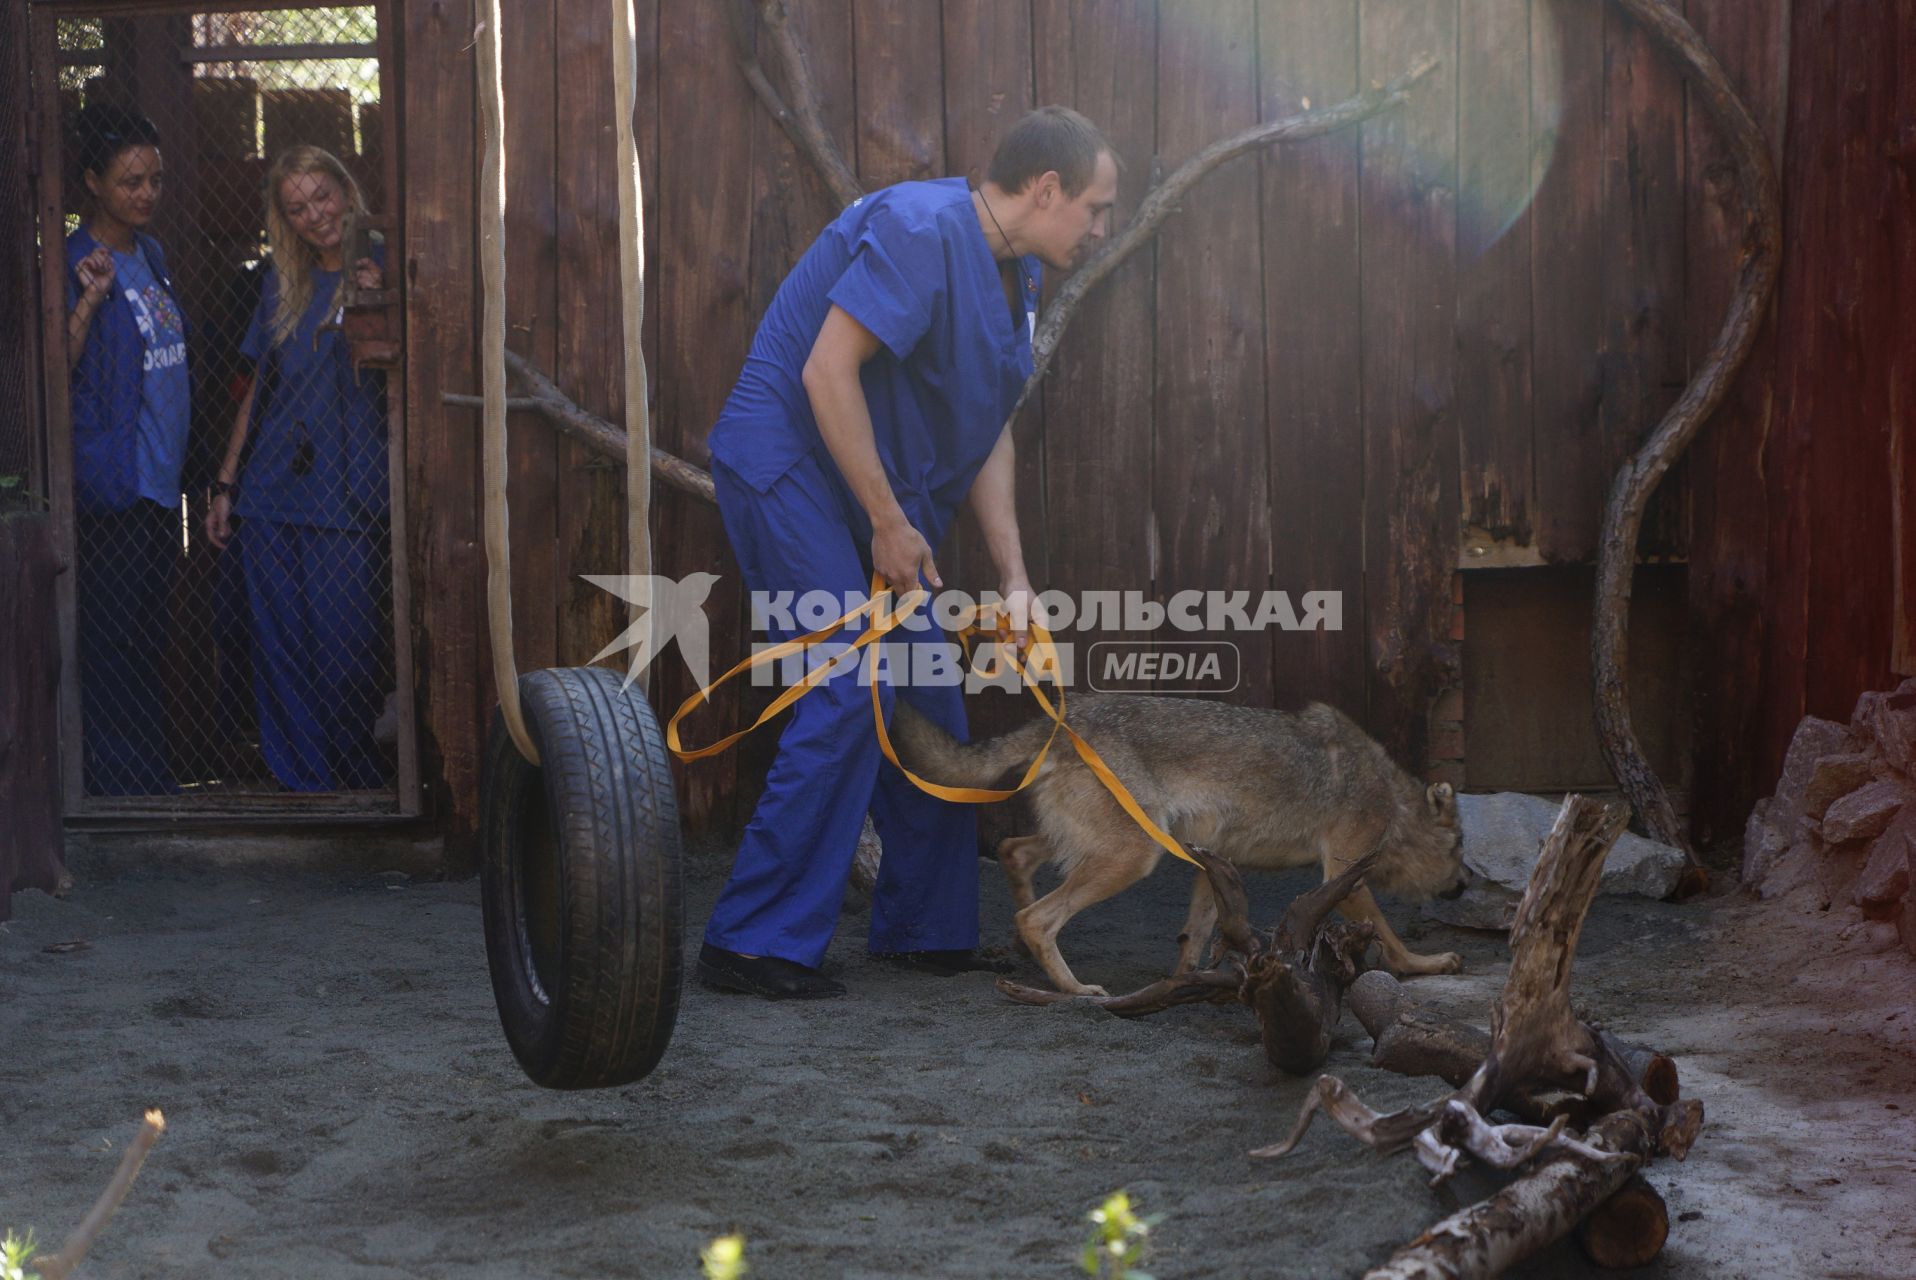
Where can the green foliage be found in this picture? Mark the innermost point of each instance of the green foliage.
(1119, 1240)
(15, 1253)
(723, 1259)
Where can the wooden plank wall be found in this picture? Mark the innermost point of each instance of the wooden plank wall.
(1407, 284)
(1210, 498)
(1335, 360)
(440, 167)
(1795, 583)
(21, 454)
(1729, 567)
(1099, 411)
(1313, 345)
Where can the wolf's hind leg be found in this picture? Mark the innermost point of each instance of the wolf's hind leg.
(1021, 856)
(1091, 880)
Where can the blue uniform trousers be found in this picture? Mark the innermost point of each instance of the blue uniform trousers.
(316, 652)
(788, 879)
(122, 597)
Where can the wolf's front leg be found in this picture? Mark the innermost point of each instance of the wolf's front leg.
(1398, 958)
(1199, 925)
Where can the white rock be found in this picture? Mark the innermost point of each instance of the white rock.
(1504, 832)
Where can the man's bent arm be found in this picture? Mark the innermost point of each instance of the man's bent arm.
(830, 376)
(994, 500)
(844, 420)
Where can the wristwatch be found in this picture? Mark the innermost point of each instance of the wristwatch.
(221, 489)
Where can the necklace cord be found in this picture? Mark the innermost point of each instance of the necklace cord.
(1024, 277)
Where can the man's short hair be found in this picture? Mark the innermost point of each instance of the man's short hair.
(1049, 138)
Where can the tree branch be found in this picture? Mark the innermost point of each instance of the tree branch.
(59, 1265)
(1638, 478)
(1164, 198)
(802, 121)
(590, 430)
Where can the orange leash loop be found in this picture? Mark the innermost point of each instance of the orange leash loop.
(882, 623)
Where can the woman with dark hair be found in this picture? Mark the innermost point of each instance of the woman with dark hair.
(313, 500)
(131, 401)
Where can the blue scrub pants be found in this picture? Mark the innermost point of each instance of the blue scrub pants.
(316, 652)
(122, 596)
(788, 879)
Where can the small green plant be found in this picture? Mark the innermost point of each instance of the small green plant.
(15, 1253)
(723, 1259)
(1119, 1240)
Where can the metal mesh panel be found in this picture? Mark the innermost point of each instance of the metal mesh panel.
(241, 647)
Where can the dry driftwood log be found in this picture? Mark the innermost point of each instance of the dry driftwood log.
(1293, 978)
(1628, 1229)
(1413, 1041)
(1536, 1047)
(1494, 1235)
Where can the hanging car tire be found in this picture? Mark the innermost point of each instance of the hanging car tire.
(580, 882)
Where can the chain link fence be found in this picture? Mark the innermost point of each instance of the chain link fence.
(232, 496)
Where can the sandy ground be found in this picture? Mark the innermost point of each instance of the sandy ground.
(341, 1102)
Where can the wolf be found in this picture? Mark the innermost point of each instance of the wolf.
(1265, 789)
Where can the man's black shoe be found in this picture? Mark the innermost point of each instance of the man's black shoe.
(943, 964)
(767, 976)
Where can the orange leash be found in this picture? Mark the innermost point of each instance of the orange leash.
(881, 623)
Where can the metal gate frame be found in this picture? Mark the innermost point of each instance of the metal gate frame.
(45, 168)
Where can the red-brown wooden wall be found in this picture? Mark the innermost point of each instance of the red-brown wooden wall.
(1335, 358)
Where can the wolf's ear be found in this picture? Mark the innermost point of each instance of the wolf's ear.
(1440, 798)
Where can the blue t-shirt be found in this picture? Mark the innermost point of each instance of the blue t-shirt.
(165, 390)
(318, 451)
(911, 264)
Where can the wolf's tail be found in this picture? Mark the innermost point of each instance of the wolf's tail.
(936, 756)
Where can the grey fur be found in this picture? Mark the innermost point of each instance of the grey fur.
(1266, 789)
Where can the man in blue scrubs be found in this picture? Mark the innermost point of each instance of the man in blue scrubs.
(872, 404)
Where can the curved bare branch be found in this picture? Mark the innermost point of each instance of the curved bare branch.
(1638, 478)
(1163, 200)
(802, 120)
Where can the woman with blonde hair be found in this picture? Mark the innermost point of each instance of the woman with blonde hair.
(313, 497)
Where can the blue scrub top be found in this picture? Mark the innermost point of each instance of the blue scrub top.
(160, 438)
(131, 392)
(316, 396)
(911, 264)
